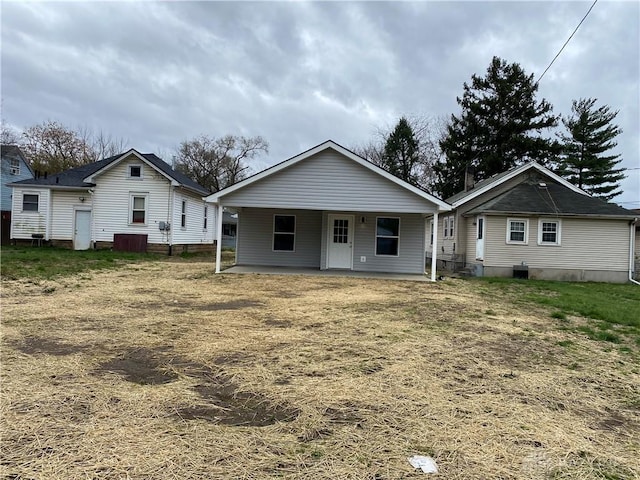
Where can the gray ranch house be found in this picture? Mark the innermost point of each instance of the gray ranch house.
(328, 208)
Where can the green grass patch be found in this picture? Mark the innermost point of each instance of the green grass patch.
(17, 262)
(614, 307)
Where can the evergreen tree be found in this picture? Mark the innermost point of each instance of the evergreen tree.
(584, 161)
(401, 153)
(500, 127)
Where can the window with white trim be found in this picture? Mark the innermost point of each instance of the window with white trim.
(387, 236)
(452, 221)
(284, 233)
(14, 166)
(445, 233)
(206, 217)
(30, 202)
(517, 231)
(138, 209)
(431, 232)
(548, 232)
(135, 171)
(183, 214)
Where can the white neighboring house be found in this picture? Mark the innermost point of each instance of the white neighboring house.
(128, 199)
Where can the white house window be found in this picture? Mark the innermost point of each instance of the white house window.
(387, 236)
(549, 232)
(284, 233)
(30, 202)
(14, 166)
(451, 226)
(517, 231)
(183, 214)
(138, 208)
(135, 171)
(205, 215)
(446, 227)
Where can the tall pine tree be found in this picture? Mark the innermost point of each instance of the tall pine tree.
(500, 126)
(401, 153)
(584, 160)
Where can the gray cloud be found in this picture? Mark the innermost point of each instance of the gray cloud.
(299, 73)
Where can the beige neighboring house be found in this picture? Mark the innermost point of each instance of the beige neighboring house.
(132, 201)
(529, 222)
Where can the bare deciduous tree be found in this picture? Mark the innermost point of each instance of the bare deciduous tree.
(426, 130)
(216, 163)
(51, 147)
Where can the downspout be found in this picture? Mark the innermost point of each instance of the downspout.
(219, 236)
(632, 235)
(434, 251)
(170, 219)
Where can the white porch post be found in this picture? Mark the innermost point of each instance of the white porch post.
(434, 250)
(219, 237)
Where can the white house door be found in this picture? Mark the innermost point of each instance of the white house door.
(480, 238)
(340, 241)
(82, 230)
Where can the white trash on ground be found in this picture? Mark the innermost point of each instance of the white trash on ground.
(426, 464)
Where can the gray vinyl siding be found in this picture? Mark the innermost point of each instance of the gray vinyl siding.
(255, 241)
(587, 244)
(410, 257)
(255, 238)
(328, 181)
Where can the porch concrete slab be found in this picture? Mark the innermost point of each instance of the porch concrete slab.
(326, 273)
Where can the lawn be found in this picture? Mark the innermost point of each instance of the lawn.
(161, 369)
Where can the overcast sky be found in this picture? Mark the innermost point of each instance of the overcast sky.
(297, 73)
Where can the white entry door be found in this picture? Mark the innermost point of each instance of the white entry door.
(479, 238)
(340, 241)
(82, 230)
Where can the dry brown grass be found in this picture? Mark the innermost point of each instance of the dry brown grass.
(166, 371)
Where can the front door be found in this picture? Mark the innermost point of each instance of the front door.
(340, 241)
(479, 238)
(82, 230)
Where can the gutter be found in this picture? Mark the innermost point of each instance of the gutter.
(632, 233)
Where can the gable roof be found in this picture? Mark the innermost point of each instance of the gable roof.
(83, 176)
(13, 151)
(549, 198)
(329, 144)
(484, 186)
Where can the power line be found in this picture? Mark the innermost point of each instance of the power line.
(570, 37)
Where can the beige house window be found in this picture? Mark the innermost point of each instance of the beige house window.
(549, 232)
(517, 231)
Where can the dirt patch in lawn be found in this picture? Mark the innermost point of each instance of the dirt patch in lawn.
(227, 405)
(34, 345)
(267, 376)
(140, 365)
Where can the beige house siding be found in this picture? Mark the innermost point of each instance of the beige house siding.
(587, 244)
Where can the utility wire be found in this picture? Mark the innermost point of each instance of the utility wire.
(570, 37)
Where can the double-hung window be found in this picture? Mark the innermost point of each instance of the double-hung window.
(387, 236)
(30, 202)
(14, 166)
(549, 232)
(183, 214)
(138, 208)
(206, 217)
(517, 230)
(284, 233)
